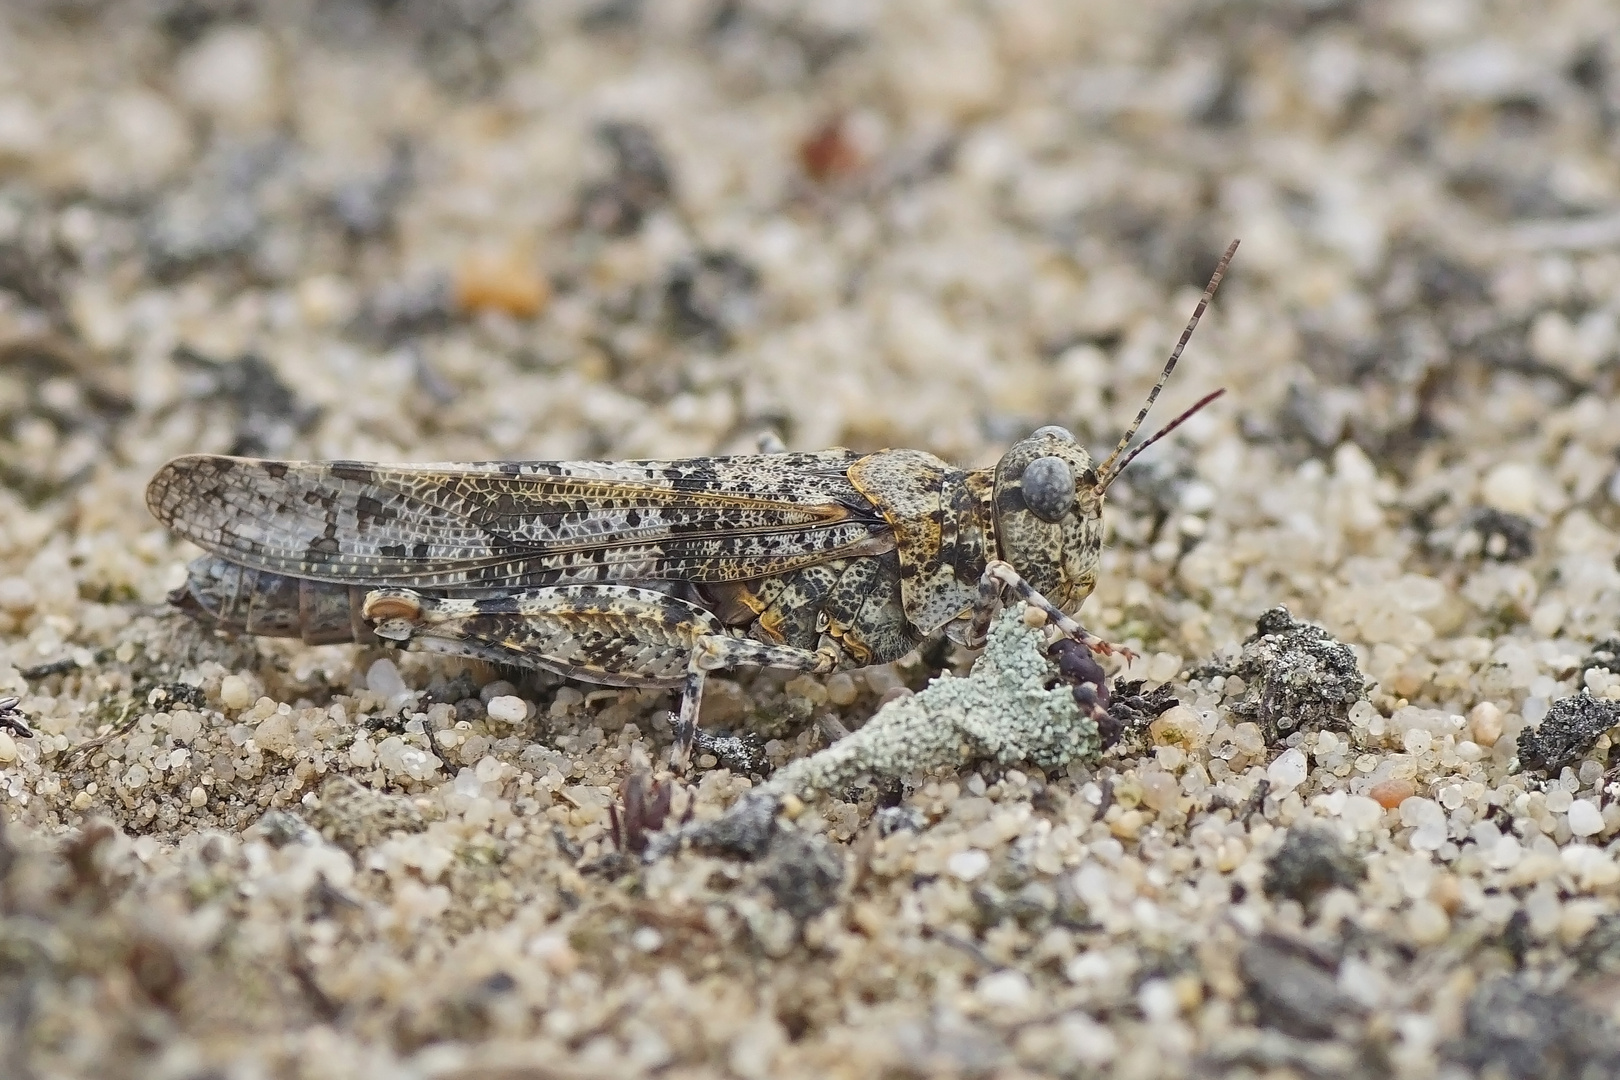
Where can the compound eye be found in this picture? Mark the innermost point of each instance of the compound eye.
(1048, 488)
(1052, 431)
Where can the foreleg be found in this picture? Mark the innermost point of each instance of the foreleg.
(1000, 576)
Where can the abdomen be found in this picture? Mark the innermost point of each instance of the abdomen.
(240, 600)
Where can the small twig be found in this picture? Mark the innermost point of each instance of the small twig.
(123, 725)
(54, 667)
(961, 944)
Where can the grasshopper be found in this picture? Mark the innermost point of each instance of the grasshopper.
(653, 573)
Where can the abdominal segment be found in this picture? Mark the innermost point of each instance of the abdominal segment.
(241, 600)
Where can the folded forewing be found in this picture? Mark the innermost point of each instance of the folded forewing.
(521, 523)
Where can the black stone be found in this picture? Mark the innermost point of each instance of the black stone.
(269, 414)
(641, 181)
(1503, 536)
(893, 819)
(1605, 654)
(744, 831)
(1599, 951)
(743, 754)
(1566, 733)
(1311, 861)
(709, 297)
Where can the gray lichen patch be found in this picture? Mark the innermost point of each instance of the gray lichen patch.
(1298, 677)
(1517, 1030)
(1009, 709)
(802, 874)
(1294, 988)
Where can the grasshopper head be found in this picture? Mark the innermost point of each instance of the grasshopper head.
(1048, 507)
(1048, 494)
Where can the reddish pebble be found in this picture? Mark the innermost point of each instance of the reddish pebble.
(1391, 793)
(488, 281)
(829, 153)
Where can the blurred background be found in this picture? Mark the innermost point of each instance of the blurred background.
(469, 229)
(497, 228)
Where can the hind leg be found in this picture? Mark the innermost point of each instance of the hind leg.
(617, 635)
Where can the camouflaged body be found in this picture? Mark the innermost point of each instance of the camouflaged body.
(860, 555)
(616, 637)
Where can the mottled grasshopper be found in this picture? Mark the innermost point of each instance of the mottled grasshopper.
(651, 573)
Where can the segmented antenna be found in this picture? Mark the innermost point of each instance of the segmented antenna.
(1108, 478)
(1107, 470)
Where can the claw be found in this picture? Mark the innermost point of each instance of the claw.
(680, 754)
(1106, 648)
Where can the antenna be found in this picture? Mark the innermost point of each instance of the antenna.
(1109, 477)
(1107, 470)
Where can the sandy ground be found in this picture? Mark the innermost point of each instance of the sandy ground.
(495, 229)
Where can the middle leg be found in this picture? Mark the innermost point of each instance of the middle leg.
(722, 652)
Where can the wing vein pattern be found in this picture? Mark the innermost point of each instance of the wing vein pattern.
(480, 524)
